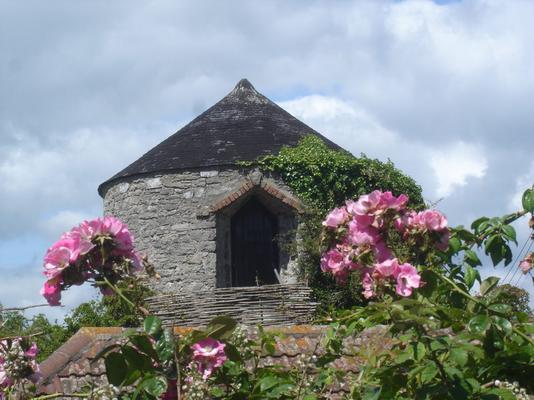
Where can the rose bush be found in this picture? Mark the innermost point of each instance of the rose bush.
(17, 365)
(444, 342)
(358, 237)
(100, 251)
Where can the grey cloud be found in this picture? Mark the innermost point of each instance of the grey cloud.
(89, 86)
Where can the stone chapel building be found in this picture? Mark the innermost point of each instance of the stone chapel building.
(204, 220)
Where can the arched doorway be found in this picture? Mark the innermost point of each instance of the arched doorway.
(254, 250)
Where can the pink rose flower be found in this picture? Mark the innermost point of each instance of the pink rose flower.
(527, 263)
(387, 268)
(333, 262)
(336, 217)
(443, 243)
(52, 291)
(72, 250)
(381, 251)
(410, 223)
(431, 219)
(208, 355)
(32, 351)
(387, 200)
(407, 279)
(406, 220)
(367, 204)
(367, 284)
(362, 234)
(56, 260)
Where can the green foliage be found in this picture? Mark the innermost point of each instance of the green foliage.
(514, 297)
(324, 178)
(151, 371)
(145, 361)
(109, 311)
(445, 342)
(528, 200)
(48, 336)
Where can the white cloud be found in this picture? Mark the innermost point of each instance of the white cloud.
(62, 221)
(45, 183)
(453, 166)
(348, 125)
(444, 91)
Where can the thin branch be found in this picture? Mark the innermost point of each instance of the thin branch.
(468, 296)
(22, 336)
(10, 309)
(126, 299)
(63, 395)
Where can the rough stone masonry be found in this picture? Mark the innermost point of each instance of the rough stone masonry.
(171, 216)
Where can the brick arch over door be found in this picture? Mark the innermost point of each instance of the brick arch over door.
(250, 223)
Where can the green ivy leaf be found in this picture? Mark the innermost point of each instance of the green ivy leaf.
(419, 351)
(488, 285)
(429, 371)
(144, 344)
(501, 308)
(499, 394)
(371, 392)
(221, 327)
(165, 346)
(476, 223)
(459, 356)
(116, 368)
(268, 382)
(465, 235)
(478, 324)
(470, 276)
(471, 258)
(155, 386)
(528, 200)
(493, 248)
(454, 245)
(282, 389)
(152, 325)
(509, 231)
(136, 360)
(502, 324)
(492, 341)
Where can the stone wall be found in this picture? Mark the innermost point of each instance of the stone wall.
(173, 220)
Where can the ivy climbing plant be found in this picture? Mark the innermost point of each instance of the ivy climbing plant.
(323, 178)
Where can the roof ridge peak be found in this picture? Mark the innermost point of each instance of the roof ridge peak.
(244, 84)
(244, 91)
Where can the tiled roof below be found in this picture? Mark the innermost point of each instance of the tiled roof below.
(70, 367)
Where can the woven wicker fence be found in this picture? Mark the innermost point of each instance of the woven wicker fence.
(266, 305)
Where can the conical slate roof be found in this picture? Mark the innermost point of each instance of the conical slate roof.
(243, 126)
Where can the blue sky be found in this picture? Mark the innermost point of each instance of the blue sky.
(443, 90)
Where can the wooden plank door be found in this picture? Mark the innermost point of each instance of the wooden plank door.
(254, 250)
